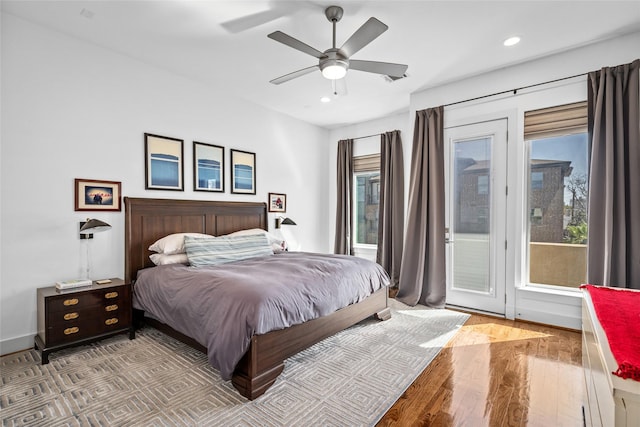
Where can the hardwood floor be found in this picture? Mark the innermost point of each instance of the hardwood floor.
(498, 372)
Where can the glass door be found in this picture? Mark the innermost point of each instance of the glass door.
(475, 161)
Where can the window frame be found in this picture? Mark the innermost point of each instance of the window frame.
(551, 122)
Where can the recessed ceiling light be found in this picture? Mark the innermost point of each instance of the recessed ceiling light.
(86, 13)
(511, 41)
(325, 99)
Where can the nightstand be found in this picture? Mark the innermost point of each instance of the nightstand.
(71, 317)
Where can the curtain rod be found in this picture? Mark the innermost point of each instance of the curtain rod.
(368, 136)
(372, 135)
(515, 91)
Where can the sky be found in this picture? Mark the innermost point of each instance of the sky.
(570, 147)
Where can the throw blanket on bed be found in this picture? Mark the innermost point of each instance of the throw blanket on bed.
(618, 311)
(223, 306)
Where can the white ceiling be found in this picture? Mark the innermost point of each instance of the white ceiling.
(224, 43)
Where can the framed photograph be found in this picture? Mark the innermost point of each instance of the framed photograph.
(208, 167)
(93, 195)
(163, 163)
(277, 202)
(243, 172)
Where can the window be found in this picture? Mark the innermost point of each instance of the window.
(557, 195)
(367, 198)
(483, 184)
(537, 180)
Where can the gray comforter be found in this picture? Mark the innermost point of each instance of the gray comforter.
(223, 306)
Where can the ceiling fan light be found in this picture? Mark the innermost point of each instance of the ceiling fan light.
(334, 71)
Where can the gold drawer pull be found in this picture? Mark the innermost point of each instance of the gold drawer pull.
(111, 307)
(111, 295)
(71, 316)
(70, 331)
(72, 301)
(111, 321)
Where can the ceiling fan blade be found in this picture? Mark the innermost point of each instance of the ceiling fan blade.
(387, 68)
(295, 74)
(369, 31)
(276, 9)
(283, 38)
(250, 21)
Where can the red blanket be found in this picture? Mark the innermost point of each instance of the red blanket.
(618, 311)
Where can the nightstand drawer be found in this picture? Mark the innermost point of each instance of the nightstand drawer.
(72, 302)
(70, 332)
(86, 299)
(56, 319)
(87, 326)
(62, 319)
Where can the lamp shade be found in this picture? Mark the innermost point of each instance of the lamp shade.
(94, 226)
(284, 221)
(288, 221)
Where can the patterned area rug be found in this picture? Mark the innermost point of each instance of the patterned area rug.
(352, 378)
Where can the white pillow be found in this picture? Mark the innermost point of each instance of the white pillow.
(224, 249)
(163, 259)
(277, 244)
(173, 243)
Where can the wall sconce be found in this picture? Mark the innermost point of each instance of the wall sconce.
(86, 232)
(280, 220)
(90, 226)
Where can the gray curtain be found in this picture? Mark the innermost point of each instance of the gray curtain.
(423, 271)
(344, 205)
(614, 177)
(391, 213)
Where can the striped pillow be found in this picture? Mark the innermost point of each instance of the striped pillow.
(224, 249)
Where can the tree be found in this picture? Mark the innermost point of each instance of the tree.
(577, 229)
(576, 234)
(578, 186)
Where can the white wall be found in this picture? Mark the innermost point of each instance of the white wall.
(553, 307)
(71, 109)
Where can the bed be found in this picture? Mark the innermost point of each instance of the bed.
(147, 220)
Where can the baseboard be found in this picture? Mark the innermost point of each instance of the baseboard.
(14, 345)
(560, 320)
(474, 310)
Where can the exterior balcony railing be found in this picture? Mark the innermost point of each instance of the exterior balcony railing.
(559, 264)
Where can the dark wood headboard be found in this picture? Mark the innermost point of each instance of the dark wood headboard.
(147, 220)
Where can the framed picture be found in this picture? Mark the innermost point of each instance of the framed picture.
(163, 163)
(208, 167)
(277, 202)
(243, 172)
(93, 195)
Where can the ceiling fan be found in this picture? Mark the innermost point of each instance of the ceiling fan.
(334, 62)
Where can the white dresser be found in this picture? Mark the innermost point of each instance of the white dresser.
(610, 400)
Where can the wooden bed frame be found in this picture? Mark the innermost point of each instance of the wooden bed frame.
(147, 220)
